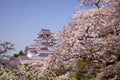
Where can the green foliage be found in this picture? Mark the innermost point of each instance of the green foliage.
(16, 55)
(79, 76)
(97, 79)
(23, 72)
(118, 54)
(59, 72)
(26, 49)
(73, 78)
(101, 35)
(82, 64)
(25, 65)
(6, 74)
(21, 52)
(49, 75)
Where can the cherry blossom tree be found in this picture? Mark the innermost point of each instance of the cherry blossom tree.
(90, 44)
(6, 46)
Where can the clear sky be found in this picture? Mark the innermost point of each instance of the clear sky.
(21, 20)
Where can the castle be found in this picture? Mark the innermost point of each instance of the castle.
(43, 45)
(38, 51)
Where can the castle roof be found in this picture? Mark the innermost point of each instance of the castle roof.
(43, 55)
(32, 50)
(14, 62)
(43, 48)
(36, 44)
(23, 57)
(45, 43)
(45, 31)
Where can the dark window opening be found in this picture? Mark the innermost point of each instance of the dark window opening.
(47, 35)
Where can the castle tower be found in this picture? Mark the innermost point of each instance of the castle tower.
(43, 45)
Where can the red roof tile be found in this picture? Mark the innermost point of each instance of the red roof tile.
(45, 31)
(45, 38)
(43, 48)
(43, 55)
(23, 57)
(45, 43)
(15, 62)
(32, 50)
(50, 45)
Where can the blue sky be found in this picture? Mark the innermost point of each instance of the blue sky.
(21, 20)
